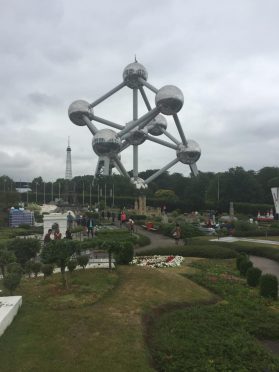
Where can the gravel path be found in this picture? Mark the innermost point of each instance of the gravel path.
(157, 240)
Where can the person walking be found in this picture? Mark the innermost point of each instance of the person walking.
(123, 218)
(177, 233)
(47, 237)
(90, 227)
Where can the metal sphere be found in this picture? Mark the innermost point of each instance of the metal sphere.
(105, 142)
(77, 109)
(189, 154)
(139, 183)
(132, 73)
(156, 125)
(136, 136)
(169, 100)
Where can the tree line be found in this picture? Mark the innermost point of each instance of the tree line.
(207, 190)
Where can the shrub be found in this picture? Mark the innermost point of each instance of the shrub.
(72, 264)
(242, 257)
(11, 281)
(47, 270)
(82, 261)
(269, 286)
(253, 275)
(244, 266)
(143, 240)
(124, 253)
(14, 267)
(36, 268)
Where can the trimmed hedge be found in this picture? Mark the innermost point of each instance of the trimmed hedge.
(269, 286)
(244, 266)
(253, 275)
(124, 253)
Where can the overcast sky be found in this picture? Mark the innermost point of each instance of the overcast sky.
(222, 54)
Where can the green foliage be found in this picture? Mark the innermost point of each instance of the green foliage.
(241, 257)
(253, 275)
(244, 265)
(24, 249)
(82, 261)
(261, 250)
(124, 253)
(142, 240)
(192, 250)
(11, 281)
(269, 286)
(188, 230)
(36, 268)
(6, 257)
(14, 267)
(47, 270)
(72, 264)
(221, 336)
(138, 217)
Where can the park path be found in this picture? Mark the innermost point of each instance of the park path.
(156, 240)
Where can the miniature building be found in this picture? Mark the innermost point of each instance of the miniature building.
(19, 217)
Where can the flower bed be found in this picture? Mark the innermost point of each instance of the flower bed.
(158, 261)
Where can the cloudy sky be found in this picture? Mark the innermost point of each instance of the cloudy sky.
(223, 55)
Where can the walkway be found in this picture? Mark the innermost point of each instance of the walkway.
(157, 240)
(232, 239)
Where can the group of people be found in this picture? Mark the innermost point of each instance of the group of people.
(56, 235)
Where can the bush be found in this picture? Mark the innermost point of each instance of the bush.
(82, 261)
(242, 257)
(11, 281)
(244, 266)
(36, 268)
(72, 264)
(143, 240)
(124, 253)
(269, 286)
(253, 275)
(47, 270)
(14, 268)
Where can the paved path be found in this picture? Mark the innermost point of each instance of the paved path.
(232, 239)
(266, 265)
(157, 240)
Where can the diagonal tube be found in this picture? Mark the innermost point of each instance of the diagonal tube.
(107, 95)
(144, 97)
(180, 130)
(170, 136)
(147, 85)
(107, 122)
(160, 171)
(161, 142)
(90, 125)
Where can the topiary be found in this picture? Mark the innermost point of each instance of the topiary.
(244, 266)
(14, 267)
(82, 260)
(253, 275)
(36, 268)
(72, 264)
(242, 256)
(269, 286)
(124, 254)
(47, 270)
(11, 281)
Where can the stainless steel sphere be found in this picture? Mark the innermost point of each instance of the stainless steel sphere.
(105, 142)
(156, 125)
(136, 136)
(139, 183)
(189, 154)
(169, 100)
(77, 109)
(132, 73)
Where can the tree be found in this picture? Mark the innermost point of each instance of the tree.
(11, 282)
(59, 252)
(82, 261)
(24, 249)
(6, 257)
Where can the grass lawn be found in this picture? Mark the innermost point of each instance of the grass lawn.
(225, 336)
(95, 325)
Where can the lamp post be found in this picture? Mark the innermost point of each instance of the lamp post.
(44, 193)
(52, 191)
(82, 193)
(59, 190)
(105, 196)
(5, 184)
(90, 194)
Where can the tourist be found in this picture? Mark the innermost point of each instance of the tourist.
(57, 235)
(47, 237)
(113, 217)
(123, 218)
(70, 220)
(68, 234)
(131, 225)
(83, 223)
(177, 234)
(90, 227)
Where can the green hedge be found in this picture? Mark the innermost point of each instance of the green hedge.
(261, 251)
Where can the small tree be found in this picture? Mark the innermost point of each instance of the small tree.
(24, 249)
(11, 281)
(6, 257)
(82, 261)
(124, 254)
(47, 270)
(14, 267)
(59, 252)
(72, 264)
(269, 286)
(36, 268)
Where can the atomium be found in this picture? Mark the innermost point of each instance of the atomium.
(108, 144)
